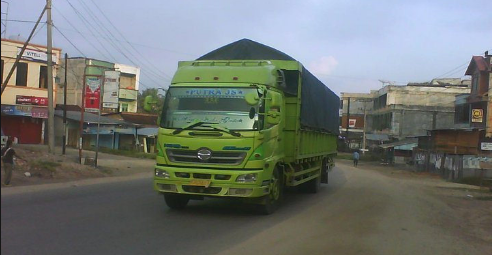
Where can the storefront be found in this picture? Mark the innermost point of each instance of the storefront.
(24, 123)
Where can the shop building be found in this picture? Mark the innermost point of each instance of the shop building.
(24, 104)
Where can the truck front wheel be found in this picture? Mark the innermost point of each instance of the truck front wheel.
(176, 201)
(272, 201)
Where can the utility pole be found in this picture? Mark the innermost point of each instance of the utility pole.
(51, 112)
(348, 123)
(65, 106)
(364, 129)
(82, 110)
(101, 93)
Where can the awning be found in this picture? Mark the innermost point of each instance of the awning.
(405, 144)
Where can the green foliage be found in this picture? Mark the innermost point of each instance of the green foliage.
(157, 100)
(45, 165)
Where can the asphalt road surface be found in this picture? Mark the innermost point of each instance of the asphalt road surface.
(359, 212)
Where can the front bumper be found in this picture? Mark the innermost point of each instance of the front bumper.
(219, 183)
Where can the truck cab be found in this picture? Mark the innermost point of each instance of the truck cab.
(221, 133)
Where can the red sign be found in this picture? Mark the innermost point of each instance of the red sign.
(31, 100)
(352, 123)
(92, 93)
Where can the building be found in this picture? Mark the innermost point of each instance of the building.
(353, 118)
(25, 99)
(412, 110)
(128, 87)
(465, 150)
(119, 91)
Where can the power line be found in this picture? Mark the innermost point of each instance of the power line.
(21, 21)
(124, 38)
(69, 41)
(86, 23)
(76, 30)
(97, 21)
(103, 27)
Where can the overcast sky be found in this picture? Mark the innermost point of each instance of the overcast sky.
(349, 45)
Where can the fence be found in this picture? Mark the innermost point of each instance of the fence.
(452, 167)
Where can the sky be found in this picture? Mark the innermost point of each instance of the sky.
(349, 45)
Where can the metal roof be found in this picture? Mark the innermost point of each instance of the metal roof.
(91, 118)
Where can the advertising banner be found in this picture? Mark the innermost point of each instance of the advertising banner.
(111, 88)
(31, 100)
(92, 93)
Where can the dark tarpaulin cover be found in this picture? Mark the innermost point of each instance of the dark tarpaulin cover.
(319, 105)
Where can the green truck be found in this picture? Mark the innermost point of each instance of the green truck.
(244, 121)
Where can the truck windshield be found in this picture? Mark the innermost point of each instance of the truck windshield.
(223, 106)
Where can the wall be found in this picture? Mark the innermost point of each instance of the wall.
(9, 53)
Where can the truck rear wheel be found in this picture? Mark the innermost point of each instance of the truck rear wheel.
(176, 201)
(272, 201)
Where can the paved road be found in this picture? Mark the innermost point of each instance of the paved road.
(359, 212)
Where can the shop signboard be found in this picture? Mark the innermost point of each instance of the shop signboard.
(31, 100)
(111, 88)
(92, 93)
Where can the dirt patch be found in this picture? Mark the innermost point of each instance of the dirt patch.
(470, 216)
(39, 167)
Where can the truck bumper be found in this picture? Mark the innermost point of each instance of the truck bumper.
(207, 182)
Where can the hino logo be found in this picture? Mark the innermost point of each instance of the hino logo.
(204, 154)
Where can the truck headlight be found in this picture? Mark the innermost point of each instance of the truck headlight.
(162, 173)
(246, 178)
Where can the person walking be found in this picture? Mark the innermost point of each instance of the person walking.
(356, 157)
(8, 154)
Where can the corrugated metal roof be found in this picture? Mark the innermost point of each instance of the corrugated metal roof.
(91, 118)
(401, 143)
(477, 62)
(377, 137)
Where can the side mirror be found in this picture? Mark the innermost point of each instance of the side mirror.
(252, 98)
(252, 113)
(273, 117)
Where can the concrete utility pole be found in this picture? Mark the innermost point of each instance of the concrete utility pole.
(51, 111)
(364, 129)
(65, 106)
(348, 124)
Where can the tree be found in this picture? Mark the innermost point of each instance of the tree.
(157, 98)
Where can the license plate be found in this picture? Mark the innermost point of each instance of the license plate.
(203, 183)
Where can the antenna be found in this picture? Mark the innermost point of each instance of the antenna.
(4, 18)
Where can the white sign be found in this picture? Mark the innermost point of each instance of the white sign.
(486, 146)
(111, 89)
(36, 55)
(352, 123)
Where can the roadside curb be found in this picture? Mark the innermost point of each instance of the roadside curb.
(79, 183)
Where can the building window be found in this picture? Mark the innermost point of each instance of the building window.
(475, 84)
(43, 77)
(341, 104)
(21, 79)
(124, 107)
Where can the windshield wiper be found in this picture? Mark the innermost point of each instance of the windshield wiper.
(217, 127)
(190, 126)
(206, 124)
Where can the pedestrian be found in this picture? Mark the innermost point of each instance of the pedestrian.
(8, 154)
(356, 158)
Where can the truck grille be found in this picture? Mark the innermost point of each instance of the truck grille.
(217, 157)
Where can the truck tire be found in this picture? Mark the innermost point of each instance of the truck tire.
(324, 171)
(272, 201)
(176, 201)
